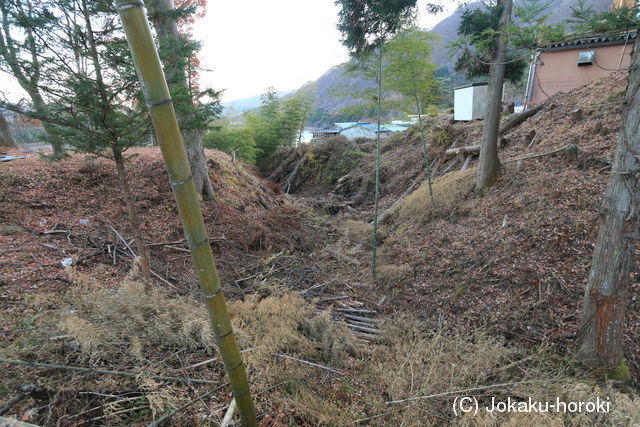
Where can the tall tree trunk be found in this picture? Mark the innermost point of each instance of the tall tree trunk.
(123, 181)
(39, 105)
(425, 149)
(6, 138)
(489, 167)
(169, 38)
(600, 337)
(198, 162)
(376, 198)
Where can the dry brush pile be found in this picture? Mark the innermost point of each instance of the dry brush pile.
(305, 368)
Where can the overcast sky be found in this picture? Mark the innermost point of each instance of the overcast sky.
(250, 45)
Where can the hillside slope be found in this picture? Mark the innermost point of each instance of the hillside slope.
(513, 261)
(477, 293)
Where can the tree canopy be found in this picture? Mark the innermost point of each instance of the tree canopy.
(366, 24)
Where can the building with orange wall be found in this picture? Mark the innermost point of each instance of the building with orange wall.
(562, 66)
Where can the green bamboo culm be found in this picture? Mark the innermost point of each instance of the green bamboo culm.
(156, 93)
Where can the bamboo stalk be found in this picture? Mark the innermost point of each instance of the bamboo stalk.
(156, 93)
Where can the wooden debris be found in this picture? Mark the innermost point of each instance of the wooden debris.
(228, 416)
(466, 163)
(306, 362)
(519, 118)
(364, 329)
(356, 310)
(469, 149)
(104, 372)
(361, 319)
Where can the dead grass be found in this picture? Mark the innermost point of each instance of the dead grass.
(416, 363)
(125, 326)
(448, 190)
(9, 229)
(392, 274)
(359, 233)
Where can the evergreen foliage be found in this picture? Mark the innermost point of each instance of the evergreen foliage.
(479, 30)
(93, 100)
(586, 20)
(366, 24)
(277, 123)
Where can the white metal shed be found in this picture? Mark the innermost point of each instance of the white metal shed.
(470, 102)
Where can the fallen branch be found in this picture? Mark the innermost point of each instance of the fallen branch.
(123, 241)
(533, 156)
(10, 404)
(449, 393)
(466, 162)
(204, 362)
(319, 285)
(356, 310)
(178, 409)
(364, 329)
(228, 416)
(386, 214)
(518, 118)
(334, 298)
(105, 372)
(56, 232)
(163, 280)
(361, 319)
(469, 149)
(305, 362)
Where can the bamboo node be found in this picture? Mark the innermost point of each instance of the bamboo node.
(197, 245)
(153, 104)
(213, 295)
(226, 334)
(235, 367)
(244, 393)
(183, 181)
(129, 5)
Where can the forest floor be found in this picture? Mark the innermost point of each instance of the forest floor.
(476, 292)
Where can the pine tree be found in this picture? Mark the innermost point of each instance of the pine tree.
(94, 103)
(20, 55)
(178, 52)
